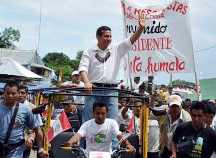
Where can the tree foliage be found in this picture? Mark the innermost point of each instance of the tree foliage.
(79, 55)
(8, 36)
(57, 61)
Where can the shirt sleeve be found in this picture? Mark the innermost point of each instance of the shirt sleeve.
(33, 120)
(124, 47)
(83, 129)
(115, 127)
(176, 135)
(84, 62)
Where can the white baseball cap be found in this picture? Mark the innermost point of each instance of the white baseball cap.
(175, 100)
(75, 73)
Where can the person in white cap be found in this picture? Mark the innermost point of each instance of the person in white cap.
(75, 80)
(176, 115)
(75, 83)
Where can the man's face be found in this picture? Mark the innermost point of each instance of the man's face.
(22, 95)
(105, 39)
(137, 80)
(70, 108)
(100, 114)
(209, 118)
(123, 102)
(75, 78)
(197, 118)
(11, 95)
(174, 112)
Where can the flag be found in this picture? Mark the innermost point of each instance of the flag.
(131, 126)
(60, 124)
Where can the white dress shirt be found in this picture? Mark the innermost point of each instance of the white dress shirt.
(106, 72)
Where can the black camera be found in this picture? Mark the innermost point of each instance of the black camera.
(150, 84)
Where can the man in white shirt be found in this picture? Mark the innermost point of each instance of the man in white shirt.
(99, 67)
(75, 80)
(175, 116)
(99, 131)
(75, 83)
(124, 114)
(136, 84)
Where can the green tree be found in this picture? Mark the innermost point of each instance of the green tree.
(8, 36)
(75, 62)
(59, 61)
(79, 55)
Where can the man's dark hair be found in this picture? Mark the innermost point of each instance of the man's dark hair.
(23, 87)
(187, 99)
(142, 86)
(100, 105)
(101, 29)
(210, 108)
(11, 84)
(198, 105)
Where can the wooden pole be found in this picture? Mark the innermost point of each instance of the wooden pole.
(46, 127)
(144, 129)
(37, 99)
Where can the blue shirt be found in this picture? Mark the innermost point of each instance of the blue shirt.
(24, 119)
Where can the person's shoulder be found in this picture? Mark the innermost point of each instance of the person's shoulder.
(2, 104)
(81, 84)
(24, 108)
(185, 115)
(185, 125)
(210, 132)
(29, 105)
(110, 121)
(91, 49)
(89, 122)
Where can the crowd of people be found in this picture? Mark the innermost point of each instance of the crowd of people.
(177, 128)
(19, 127)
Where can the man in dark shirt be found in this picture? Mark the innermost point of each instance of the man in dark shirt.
(192, 139)
(74, 115)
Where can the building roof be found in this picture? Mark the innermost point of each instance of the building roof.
(9, 67)
(24, 57)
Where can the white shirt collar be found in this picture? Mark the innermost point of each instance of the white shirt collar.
(97, 49)
(176, 121)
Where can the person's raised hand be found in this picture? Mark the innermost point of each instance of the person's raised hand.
(141, 19)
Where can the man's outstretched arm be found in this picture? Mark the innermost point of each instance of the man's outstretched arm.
(140, 29)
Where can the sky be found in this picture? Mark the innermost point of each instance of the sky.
(69, 26)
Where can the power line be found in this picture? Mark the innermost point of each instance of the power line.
(39, 28)
(205, 49)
